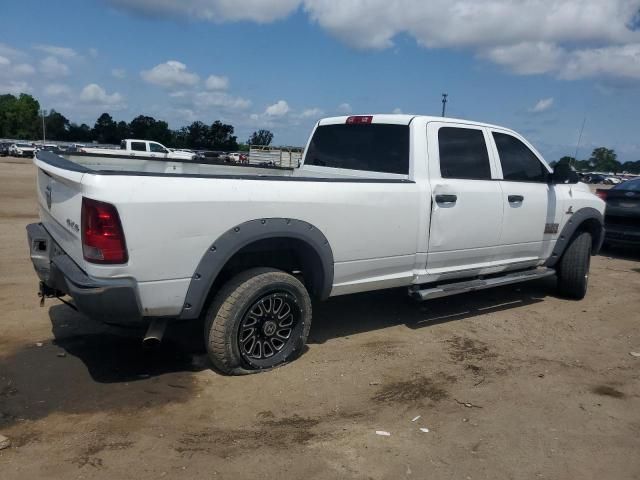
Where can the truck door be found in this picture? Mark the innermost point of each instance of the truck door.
(466, 203)
(157, 150)
(531, 204)
(138, 149)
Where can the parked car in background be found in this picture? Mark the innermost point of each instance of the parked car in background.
(612, 181)
(4, 149)
(22, 150)
(141, 148)
(593, 178)
(48, 147)
(622, 215)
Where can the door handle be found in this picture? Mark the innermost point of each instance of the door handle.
(516, 198)
(446, 199)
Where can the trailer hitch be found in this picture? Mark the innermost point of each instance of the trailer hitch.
(45, 291)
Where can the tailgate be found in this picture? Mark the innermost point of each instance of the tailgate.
(60, 203)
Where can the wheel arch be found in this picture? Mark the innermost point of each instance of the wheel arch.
(584, 220)
(269, 242)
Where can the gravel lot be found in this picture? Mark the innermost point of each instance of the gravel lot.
(511, 383)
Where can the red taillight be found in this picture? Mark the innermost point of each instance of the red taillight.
(102, 235)
(359, 120)
(602, 194)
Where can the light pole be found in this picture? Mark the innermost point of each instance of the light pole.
(444, 103)
(44, 134)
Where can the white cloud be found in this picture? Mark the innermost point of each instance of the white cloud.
(57, 89)
(543, 105)
(525, 36)
(9, 52)
(278, 109)
(23, 69)
(57, 51)
(397, 111)
(53, 67)
(261, 11)
(312, 113)
(14, 87)
(215, 82)
(170, 74)
(527, 58)
(616, 61)
(119, 73)
(4, 61)
(96, 95)
(345, 108)
(219, 99)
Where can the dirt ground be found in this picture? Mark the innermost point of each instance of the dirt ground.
(512, 383)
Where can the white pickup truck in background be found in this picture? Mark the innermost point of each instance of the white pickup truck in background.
(436, 205)
(141, 148)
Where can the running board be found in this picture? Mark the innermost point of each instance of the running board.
(480, 284)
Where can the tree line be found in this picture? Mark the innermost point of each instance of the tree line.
(21, 118)
(603, 160)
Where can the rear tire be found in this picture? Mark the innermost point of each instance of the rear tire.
(258, 320)
(573, 269)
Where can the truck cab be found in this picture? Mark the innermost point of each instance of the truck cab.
(152, 149)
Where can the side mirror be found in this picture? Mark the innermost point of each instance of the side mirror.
(564, 173)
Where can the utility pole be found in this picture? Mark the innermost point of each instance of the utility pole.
(44, 135)
(444, 103)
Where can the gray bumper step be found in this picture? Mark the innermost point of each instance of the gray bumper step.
(479, 284)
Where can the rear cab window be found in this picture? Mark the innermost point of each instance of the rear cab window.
(371, 147)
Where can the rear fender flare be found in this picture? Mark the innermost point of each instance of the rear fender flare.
(232, 241)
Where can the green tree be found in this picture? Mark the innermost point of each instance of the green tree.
(261, 137)
(605, 159)
(20, 117)
(57, 126)
(105, 129)
(80, 133)
(197, 135)
(122, 131)
(221, 137)
(148, 128)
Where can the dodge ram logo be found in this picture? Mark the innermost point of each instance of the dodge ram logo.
(47, 194)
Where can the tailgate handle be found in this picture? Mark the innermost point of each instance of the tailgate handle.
(516, 198)
(446, 199)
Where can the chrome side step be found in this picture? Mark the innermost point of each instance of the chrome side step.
(447, 289)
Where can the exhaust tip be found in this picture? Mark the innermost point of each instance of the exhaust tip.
(155, 332)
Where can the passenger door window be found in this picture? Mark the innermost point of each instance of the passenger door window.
(463, 154)
(519, 163)
(138, 146)
(157, 148)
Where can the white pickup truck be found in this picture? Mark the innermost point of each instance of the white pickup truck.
(141, 148)
(437, 205)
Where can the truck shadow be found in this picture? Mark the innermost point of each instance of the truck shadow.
(621, 252)
(352, 314)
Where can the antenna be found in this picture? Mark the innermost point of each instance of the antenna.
(575, 157)
(444, 103)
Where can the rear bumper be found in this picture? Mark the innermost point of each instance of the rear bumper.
(109, 300)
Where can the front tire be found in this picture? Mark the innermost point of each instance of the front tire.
(573, 270)
(258, 320)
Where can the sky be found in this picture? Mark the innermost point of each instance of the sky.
(540, 67)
